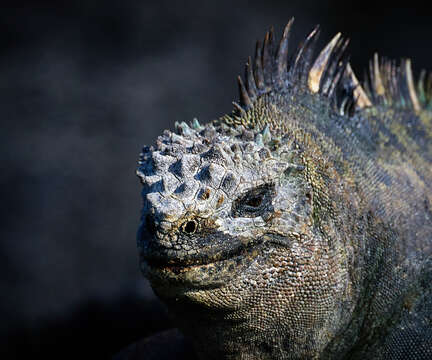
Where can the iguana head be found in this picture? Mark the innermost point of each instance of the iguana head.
(229, 223)
(218, 202)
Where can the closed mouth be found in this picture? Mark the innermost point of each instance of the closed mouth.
(177, 274)
(178, 261)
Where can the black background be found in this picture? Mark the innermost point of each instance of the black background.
(83, 85)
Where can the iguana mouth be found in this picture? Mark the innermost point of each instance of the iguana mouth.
(179, 261)
(209, 268)
(174, 273)
(159, 260)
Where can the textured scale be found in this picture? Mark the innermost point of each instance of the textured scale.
(300, 225)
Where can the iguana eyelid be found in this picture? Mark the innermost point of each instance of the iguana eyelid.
(245, 206)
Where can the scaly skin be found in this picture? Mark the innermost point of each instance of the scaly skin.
(294, 228)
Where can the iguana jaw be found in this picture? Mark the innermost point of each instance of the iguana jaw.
(214, 269)
(173, 278)
(176, 280)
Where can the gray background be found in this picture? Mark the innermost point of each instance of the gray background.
(83, 85)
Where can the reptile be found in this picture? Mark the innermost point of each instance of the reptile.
(299, 226)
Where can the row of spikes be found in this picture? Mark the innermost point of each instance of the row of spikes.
(392, 85)
(330, 74)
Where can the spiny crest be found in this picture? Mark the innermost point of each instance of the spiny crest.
(392, 85)
(274, 70)
(330, 75)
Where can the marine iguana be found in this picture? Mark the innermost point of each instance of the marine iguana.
(300, 225)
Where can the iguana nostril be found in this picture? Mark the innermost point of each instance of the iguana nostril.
(190, 227)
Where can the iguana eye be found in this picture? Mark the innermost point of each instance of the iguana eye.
(255, 202)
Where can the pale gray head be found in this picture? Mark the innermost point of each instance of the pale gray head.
(211, 195)
(227, 219)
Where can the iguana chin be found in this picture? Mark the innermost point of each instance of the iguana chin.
(300, 225)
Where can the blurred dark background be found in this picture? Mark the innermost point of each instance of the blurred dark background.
(83, 85)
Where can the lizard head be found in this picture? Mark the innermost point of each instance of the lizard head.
(229, 209)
